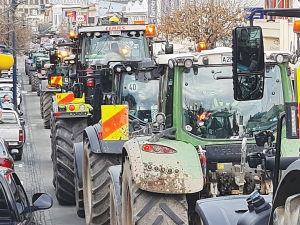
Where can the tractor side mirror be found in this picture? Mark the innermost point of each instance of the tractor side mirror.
(248, 63)
(169, 49)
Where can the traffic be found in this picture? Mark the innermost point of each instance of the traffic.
(124, 134)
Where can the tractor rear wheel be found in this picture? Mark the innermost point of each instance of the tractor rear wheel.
(96, 182)
(34, 83)
(143, 207)
(30, 76)
(78, 194)
(47, 106)
(41, 103)
(68, 131)
(38, 88)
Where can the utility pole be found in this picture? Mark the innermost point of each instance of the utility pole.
(14, 7)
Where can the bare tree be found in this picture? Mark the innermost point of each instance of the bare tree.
(63, 31)
(23, 32)
(202, 21)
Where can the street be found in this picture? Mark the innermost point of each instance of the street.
(35, 168)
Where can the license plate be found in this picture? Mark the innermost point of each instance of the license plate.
(225, 59)
(115, 32)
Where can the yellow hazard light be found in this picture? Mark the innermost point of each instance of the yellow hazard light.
(114, 20)
(64, 53)
(124, 51)
(150, 30)
(296, 27)
(201, 46)
(72, 34)
(139, 22)
(6, 61)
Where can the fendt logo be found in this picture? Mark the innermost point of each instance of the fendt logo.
(115, 28)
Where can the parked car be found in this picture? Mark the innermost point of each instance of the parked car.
(12, 131)
(10, 96)
(6, 160)
(14, 204)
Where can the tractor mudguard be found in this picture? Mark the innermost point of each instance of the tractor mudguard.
(100, 146)
(170, 173)
(207, 209)
(288, 186)
(114, 172)
(32, 68)
(78, 153)
(54, 105)
(41, 76)
(44, 87)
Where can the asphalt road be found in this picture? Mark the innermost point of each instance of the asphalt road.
(35, 168)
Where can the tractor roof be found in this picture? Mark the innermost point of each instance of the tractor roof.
(217, 56)
(107, 28)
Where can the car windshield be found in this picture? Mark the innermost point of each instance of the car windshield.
(141, 97)
(210, 111)
(9, 117)
(101, 50)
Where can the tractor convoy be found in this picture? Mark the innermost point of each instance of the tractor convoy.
(139, 138)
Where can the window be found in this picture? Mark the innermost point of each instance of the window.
(36, 2)
(42, 2)
(4, 210)
(26, 11)
(19, 195)
(166, 98)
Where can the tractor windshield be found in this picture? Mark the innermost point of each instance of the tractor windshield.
(101, 50)
(210, 111)
(141, 97)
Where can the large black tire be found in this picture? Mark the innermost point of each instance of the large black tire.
(67, 132)
(142, 207)
(96, 182)
(114, 217)
(78, 194)
(30, 76)
(47, 106)
(38, 89)
(41, 104)
(34, 83)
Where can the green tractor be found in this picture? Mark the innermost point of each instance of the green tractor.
(32, 67)
(197, 150)
(39, 74)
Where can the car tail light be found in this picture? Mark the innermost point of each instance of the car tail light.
(57, 114)
(6, 163)
(89, 81)
(158, 149)
(71, 107)
(202, 158)
(20, 135)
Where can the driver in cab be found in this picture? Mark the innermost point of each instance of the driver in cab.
(7, 104)
(115, 53)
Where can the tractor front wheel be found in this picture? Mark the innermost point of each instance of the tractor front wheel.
(96, 182)
(143, 207)
(68, 131)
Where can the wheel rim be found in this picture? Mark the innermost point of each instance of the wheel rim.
(128, 210)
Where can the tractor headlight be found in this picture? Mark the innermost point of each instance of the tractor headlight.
(82, 107)
(279, 58)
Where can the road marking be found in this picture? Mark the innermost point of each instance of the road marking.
(23, 92)
(22, 182)
(20, 165)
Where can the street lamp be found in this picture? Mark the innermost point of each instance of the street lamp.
(14, 6)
